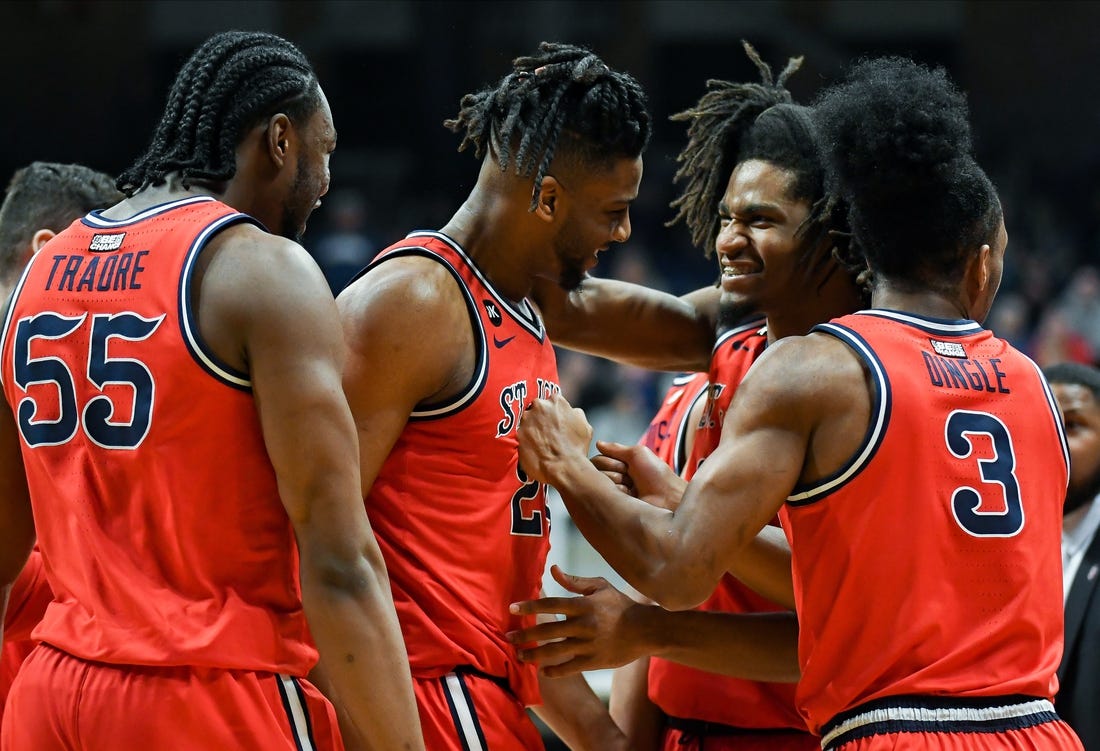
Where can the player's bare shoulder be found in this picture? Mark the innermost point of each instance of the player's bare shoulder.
(410, 313)
(416, 286)
(814, 371)
(251, 286)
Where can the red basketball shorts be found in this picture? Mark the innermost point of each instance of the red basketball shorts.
(59, 702)
(940, 723)
(466, 711)
(748, 740)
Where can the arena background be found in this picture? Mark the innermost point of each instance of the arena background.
(85, 81)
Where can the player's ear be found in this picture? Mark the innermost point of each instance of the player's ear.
(548, 198)
(984, 269)
(278, 139)
(40, 238)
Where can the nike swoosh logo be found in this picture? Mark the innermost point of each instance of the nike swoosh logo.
(501, 342)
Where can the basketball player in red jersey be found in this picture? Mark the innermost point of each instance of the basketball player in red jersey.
(173, 374)
(41, 199)
(749, 141)
(463, 530)
(917, 461)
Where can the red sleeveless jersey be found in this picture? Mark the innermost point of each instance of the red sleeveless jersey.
(931, 563)
(669, 430)
(463, 530)
(156, 506)
(683, 691)
(734, 353)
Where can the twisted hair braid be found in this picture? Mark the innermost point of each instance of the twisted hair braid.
(233, 81)
(563, 101)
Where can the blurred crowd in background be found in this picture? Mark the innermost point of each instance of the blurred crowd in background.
(1048, 306)
(83, 83)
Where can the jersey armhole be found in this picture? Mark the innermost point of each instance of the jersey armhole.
(881, 402)
(456, 403)
(189, 329)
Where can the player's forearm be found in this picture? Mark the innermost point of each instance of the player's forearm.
(352, 619)
(640, 719)
(756, 646)
(573, 711)
(630, 323)
(765, 566)
(637, 539)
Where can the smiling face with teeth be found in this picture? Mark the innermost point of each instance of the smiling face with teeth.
(759, 251)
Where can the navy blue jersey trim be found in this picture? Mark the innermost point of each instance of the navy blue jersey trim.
(96, 220)
(476, 384)
(944, 327)
(189, 329)
(305, 711)
(936, 714)
(681, 455)
(881, 405)
(12, 299)
(302, 736)
(1052, 404)
(756, 323)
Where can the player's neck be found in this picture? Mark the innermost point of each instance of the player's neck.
(155, 195)
(838, 296)
(486, 227)
(924, 302)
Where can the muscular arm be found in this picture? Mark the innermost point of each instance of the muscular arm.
(765, 565)
(640, 719)
(573, 711)
(798, 415)
(605, 629)
(396, 359)
(289, 336)
(632, 324)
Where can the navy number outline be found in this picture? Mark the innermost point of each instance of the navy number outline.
(102, 369)
(527, 526)
(1000, 470)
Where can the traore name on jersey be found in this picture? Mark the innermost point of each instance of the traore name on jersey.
(513, 400)
(78, 273)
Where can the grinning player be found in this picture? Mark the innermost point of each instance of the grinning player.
(172, 372)
(753, 176)
(917, 461)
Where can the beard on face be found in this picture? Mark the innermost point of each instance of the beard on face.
(298, 205)
(567, 247)
(732, 311)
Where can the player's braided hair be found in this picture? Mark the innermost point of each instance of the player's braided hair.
(44, 195)
(562, 101)
(897, 146)
(735, 122)
(232, 82)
